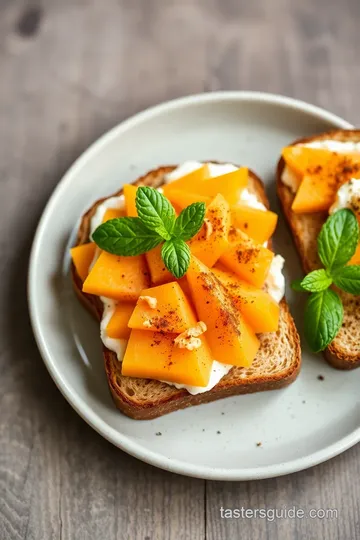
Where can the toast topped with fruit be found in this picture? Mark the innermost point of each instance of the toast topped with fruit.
(318, 177)
(192, 311)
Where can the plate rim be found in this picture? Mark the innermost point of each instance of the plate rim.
(79, 405)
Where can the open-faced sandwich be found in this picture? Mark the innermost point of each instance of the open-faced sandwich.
(318, 182)
(178, 268)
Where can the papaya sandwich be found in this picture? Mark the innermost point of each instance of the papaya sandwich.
(318, 183)
(179, 270)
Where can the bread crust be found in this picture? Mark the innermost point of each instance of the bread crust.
(337, 353)
(180, 399)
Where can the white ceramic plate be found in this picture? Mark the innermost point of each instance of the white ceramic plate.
(305, 424)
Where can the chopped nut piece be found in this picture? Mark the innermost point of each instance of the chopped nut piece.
(208, 228)
(189, 343)
(147, 323)
(150, 300)
(189, 339)
(197, 330)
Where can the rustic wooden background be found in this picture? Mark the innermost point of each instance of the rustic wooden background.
(70, 70)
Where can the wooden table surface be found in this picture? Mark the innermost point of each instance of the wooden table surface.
(69, 71)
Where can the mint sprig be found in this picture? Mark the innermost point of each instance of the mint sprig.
(156, 224)
(126, 236)
(155, 211)
(176, 256)
(337, 243)
(348, 279)
(190, 221)
(323, 318)
(316, 281)
(338, 239)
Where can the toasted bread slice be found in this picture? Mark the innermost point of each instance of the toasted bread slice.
(344, 351)
(276, 365)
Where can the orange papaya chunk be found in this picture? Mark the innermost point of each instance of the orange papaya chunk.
(304, 160)
(185, 288)
(182, 199)
(117, 327)
(231, 339)
(171, 314)
(256, 305)
(130, 196)
(356, 257)
(211, 241)
(247, 259)
(158, 272)
(82, 256)
(256, 223)
(120, 278)
(151, 355)
(187, 182)
(317, 193)
(313, 196)
(322, 172)
(113, 213)
(229, 185)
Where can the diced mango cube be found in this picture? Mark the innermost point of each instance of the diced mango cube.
(171, 314)
(120, 278)
(150, 355)
(82, 256)
(130, 196)
(231, 339)
(117, 327)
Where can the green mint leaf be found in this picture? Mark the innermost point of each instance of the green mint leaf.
(296, 285)
(338, 239)
(176, 256)
(347, 278)
(126, 236)
(190, 221)
(155, 211)
(323, 318)
(316, 281)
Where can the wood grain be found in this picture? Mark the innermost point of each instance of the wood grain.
(70, 70)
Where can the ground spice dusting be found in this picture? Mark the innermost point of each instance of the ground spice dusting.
(165, 322)
(335, 174)
(244, 256)
(213, 224)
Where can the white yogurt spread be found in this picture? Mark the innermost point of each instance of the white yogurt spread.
(117, 203)
(290, 179)
(249, 199)
(118, 346)
(348, 196)
(340, 147)
(275, 281)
